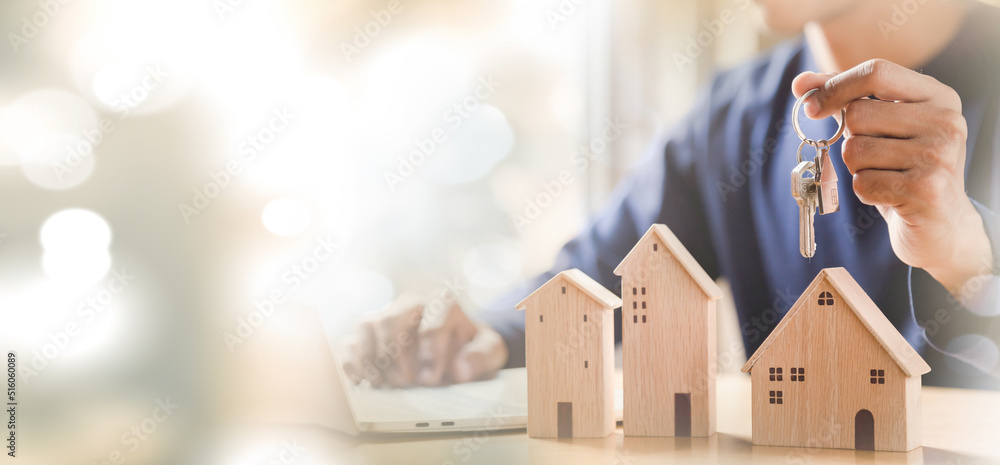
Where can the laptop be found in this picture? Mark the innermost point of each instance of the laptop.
(500, 403)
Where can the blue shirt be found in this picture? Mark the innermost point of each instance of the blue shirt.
(720, 179)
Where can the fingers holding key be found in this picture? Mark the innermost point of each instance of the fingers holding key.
(879, 78)
(876, 153)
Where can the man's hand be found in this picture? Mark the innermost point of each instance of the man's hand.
(907, 154)
(412, 342)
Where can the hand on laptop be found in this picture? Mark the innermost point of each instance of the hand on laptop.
(413, 342)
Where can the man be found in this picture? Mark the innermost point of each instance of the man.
(919, 177)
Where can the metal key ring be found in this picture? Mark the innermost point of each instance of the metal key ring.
(798, 153)
(798, 130)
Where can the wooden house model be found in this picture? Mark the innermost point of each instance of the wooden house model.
(569, 334)
(668, 339)
(835, 373)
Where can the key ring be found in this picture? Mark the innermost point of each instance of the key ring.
(798, 153)
(806, 140)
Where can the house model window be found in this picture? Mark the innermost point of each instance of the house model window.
(798, 374)
(825, 298)
(585, 318)
(564, 289)
(775, 373)
(775, 397)
(654, 247)
(878, 376)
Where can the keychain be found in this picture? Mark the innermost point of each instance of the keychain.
(814, 182)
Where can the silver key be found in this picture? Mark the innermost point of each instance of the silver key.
(806, 196)
(826, 179)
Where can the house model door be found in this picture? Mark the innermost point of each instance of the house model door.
(682, 414)
(565, 420)
(864, 430)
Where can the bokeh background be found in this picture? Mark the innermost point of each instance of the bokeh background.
(167, 167)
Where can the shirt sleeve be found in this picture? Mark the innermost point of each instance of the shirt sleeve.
(966, 327)
(662, 188)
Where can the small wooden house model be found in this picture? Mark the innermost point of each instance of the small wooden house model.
(570, 343)
(835, 373)
(668, 339)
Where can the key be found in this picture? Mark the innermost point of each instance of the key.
(805, 193)
(826, 180)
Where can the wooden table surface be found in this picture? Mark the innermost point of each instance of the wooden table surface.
(961, 427)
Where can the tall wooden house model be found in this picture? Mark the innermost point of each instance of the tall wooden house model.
(668, 339)
(570, 344)
(835, 373)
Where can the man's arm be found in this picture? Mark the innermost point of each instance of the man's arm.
(966, 325)
(661, 189)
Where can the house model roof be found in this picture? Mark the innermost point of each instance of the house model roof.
(705, 282)
(871, 317)
(582, 282)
